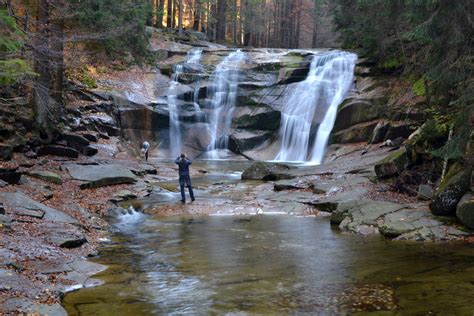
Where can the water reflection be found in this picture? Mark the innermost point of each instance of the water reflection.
(273, 265)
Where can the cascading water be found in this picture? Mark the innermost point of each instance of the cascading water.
(193, 57)
(223, 93)
(314, 102)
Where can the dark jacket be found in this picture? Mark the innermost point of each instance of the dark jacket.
(183, 164)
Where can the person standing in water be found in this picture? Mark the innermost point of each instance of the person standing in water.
(183, 163)
(145, 148)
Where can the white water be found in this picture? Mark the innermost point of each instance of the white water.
(223, 93)
(315, 101)
(176, 143)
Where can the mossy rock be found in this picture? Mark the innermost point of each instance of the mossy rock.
(455, 184)
(393, 164)
(172, 187)
(46, 176)
(465, 210)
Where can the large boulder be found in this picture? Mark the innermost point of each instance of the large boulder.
(100, 175)
(10, 175)
(56, 150)
(392, 165)
(267, 172)
(355, 111)
(246, 140)
(465, 210)
(291, 75)
(357, 133)
(455, 184)
(264, 121)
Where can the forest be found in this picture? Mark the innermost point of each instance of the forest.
(428, 41)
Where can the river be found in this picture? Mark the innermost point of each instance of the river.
(267, 264)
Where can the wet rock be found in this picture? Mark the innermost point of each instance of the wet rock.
(284, 185)
(20, 204)
(392, 165)
(465, 210)
(2, 209)
(353, 112)
(405, 221)
(425, 192)
(46, 176)
(291, 75)
(100, 175)
(10, 175)
(5, 221)
(357, 133)
(89, 151)
(437, 233)
(264, 121)
(56, 150)
(123, 195)
(455, 184)
(353, 214)
(3, 184)
(267, 172)
(6, 151)
(247, 140)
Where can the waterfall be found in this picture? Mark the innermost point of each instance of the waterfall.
(192, 58)
(314, 102)
(223, 93)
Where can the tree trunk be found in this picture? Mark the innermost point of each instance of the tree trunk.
(315, 25)
(169, 15)
(41, 51)
(161, 13)
(234, 22)
(175, 11)
(180, 16)
(197, 15)
(221, 20)
(57, 52)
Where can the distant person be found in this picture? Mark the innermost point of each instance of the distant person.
(183, 162)
(145, 149)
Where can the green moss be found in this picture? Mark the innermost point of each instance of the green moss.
(85, 78)
(419, 87)
(392, 63)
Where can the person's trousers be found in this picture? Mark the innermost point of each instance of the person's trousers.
(186, 180)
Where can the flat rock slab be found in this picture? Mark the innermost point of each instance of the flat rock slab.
(405, 221)
(437, 233)
(64, 235)
(100, 175)
(331, 203)
(352, 214)
(20, 204)
(46, 176)
(143, 169)
(29, 307)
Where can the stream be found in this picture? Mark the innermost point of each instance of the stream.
(266, 264)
